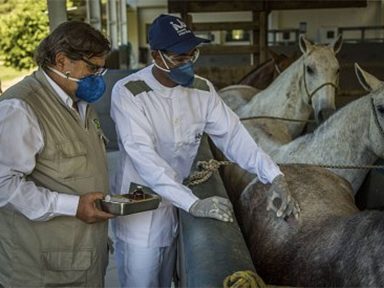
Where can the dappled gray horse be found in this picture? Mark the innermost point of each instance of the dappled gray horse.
(236, 96)
(332, 243)
(256, 80)
(352, 136)
(305, 87)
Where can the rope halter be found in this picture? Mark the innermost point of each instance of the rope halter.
(310, 95)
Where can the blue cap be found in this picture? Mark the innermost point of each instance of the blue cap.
(170, 33)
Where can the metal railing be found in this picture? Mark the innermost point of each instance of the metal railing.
(360, 34)
(283, 36)
(356, 34)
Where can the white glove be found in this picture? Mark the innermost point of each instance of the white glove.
(213, 207)
(279, 189)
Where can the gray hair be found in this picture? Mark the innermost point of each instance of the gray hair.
(76, 39)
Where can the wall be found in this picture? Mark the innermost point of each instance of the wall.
(142, 13)
(372, 15)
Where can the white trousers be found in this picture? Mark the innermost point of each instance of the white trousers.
(145, 267)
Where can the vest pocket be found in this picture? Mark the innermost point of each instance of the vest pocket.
(66, 267)
(72, 160)
(104, 141)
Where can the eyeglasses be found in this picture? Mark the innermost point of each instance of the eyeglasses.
(96, 70)
(182, 58)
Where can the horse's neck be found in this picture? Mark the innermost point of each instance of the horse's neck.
(283, 97)
(267, 133)
(344, 128)
(342, 140)
(288, 93)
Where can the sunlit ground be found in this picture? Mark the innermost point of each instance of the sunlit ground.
(10, 76)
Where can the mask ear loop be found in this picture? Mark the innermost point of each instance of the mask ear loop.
(161, 68)
(64, 75)
(196, 56)
(162, 59)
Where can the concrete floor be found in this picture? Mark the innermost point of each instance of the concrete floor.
(111, 278)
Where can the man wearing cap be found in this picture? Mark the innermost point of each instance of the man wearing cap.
(160, 113)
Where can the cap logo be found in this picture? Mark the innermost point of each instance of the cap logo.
(180, 27)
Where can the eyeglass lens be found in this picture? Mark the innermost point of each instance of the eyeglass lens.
(96, 69)
(183, 58)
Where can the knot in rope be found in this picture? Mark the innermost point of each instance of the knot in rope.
(206, 170)
(244, 279)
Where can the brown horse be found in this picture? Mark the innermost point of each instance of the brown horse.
(261, 76)
(332, 244)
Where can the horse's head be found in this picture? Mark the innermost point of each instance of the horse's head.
(376, 125)
(320, 75)
(262, 75)
(281, 61)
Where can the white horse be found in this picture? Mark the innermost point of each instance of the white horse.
(332, 243)
(352, 136)
(307, 86)
(237, 95)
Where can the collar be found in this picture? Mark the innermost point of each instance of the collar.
(63, 95)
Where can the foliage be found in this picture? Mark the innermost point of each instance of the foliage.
(22, 28)
(6, 6)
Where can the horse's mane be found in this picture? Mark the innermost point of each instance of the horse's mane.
(258, 67)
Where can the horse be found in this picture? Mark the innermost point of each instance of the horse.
(255, 81)
(352, 136)
(261, 76)
(332, 244)
(236, 96)
(306, 86)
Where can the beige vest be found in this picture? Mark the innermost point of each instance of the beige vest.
(63, 251)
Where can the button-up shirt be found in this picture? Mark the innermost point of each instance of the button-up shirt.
(159, 131)
(21, 141)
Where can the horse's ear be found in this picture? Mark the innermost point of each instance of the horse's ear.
(304, 44)
(274, 55)
(368, 81)
(337, 44)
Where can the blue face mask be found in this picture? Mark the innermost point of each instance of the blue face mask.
(183, 74)
(90, 88)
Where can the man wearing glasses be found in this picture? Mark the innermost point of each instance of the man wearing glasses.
(160, 113)
(53, 166)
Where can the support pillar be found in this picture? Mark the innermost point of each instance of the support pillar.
(57, 13)
(94, 13)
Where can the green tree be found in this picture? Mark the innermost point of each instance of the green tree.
(23, 24)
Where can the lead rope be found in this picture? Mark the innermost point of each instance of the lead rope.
(206, 169)
(277, 118)
(244, 279)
